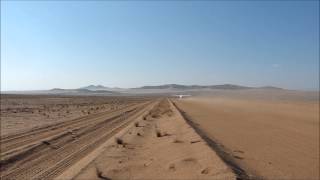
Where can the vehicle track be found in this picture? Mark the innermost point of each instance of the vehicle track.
(50, 157)
(13, 145)
(16, 140)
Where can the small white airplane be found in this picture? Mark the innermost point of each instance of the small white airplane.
(181, 96)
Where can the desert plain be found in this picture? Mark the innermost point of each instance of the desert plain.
(271, 134)
(89, 137)
(221, 134)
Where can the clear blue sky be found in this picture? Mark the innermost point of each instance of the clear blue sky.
(130, 43)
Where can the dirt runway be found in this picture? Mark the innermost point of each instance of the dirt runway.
(270, 139)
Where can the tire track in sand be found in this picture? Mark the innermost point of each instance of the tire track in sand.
(50, 158)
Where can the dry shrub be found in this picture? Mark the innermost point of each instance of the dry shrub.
(136, 124)
(158, 133)
(177, 141)
(119, 141)
(155, 115)
(100, 175)
(161, 134)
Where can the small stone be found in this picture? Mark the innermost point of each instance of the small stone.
(205, 171)
(172, 167)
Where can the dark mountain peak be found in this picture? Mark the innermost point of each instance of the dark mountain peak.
(271, 88)
(229, 86)
(57, 89)
(94, 87)
(187, 87)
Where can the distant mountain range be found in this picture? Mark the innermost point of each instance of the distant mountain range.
(91, 89)
(186, 87)
(178, 87)
(80, 90)
(167, 88)
(95, 88)
(102, 88)
(193, 87)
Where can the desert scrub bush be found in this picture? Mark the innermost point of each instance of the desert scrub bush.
(119, 141)
(158, 133)
(161, 134)
(136, 124)
(177, 141)
(100, 174)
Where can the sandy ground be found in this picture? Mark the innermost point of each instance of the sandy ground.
(46, 150)
(274, 136)
(24, 112)
(270, 135)
(54, 137)
(160, 145)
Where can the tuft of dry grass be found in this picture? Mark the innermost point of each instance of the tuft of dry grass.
(190, 159)
(172, 167)
(205, 171)
(136, 124)
(158, 133)
(155, 116)
(119, 141)
(177, 141)
(100, 175)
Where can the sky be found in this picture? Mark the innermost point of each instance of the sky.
(71, 44)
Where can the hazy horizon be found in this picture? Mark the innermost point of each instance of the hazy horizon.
(115, 87)
(125, 44)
